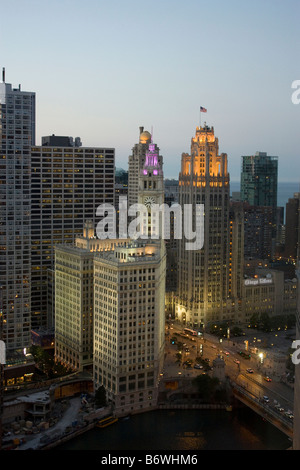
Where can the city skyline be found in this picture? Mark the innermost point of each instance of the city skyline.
(107, 309)
(100, 70)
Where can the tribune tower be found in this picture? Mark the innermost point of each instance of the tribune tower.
(203, 282)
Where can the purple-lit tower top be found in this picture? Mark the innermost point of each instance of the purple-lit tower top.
(153, 165)
(144, 163)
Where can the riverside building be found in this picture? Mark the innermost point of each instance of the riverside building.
(129, 301)
(74, 298)
(110, 303)
(129, 324)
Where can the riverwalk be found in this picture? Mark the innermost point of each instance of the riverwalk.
(35, 441)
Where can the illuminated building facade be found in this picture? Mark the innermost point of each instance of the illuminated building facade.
(267, 292)
(129, 301)
(110, 304)
(203, 275)
(68, 184)
(136, 162)
(74, 297)
(151, 190)
(129, 324)
(17, 124)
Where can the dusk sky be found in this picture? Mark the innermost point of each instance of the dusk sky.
(101, 69)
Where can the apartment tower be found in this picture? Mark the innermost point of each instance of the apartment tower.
(17, 124)
(69, 182)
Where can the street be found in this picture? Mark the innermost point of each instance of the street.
(245, 372)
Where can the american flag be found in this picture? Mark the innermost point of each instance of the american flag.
(203, 110)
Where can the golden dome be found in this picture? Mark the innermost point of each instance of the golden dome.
(145, 137)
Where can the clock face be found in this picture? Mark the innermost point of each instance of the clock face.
(149, 201)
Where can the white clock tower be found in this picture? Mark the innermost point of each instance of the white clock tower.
(151, 184)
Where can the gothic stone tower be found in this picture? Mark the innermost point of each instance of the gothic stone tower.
(203, 286)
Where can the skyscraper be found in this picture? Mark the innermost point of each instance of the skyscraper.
(74, 297)
(135, 164)
(17, 124)
(259, 180)
(129, 300)
(203, 274)
(296, 429)
(129, 324)
(151, 190)
(258, 229)
(171, 199)
(236, 253)
(68, 185)
(110, 295)
(292, 227)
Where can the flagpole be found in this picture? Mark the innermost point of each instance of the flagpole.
(204, 110)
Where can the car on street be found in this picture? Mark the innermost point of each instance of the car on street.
(268, 379)
(279, 408)
(250, 371)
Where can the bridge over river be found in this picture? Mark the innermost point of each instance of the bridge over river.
(280, 419)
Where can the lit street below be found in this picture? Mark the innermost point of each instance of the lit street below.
(247, 373)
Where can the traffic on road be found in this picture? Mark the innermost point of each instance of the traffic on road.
(189, 352)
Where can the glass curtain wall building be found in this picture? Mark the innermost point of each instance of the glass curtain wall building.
(259, 179)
